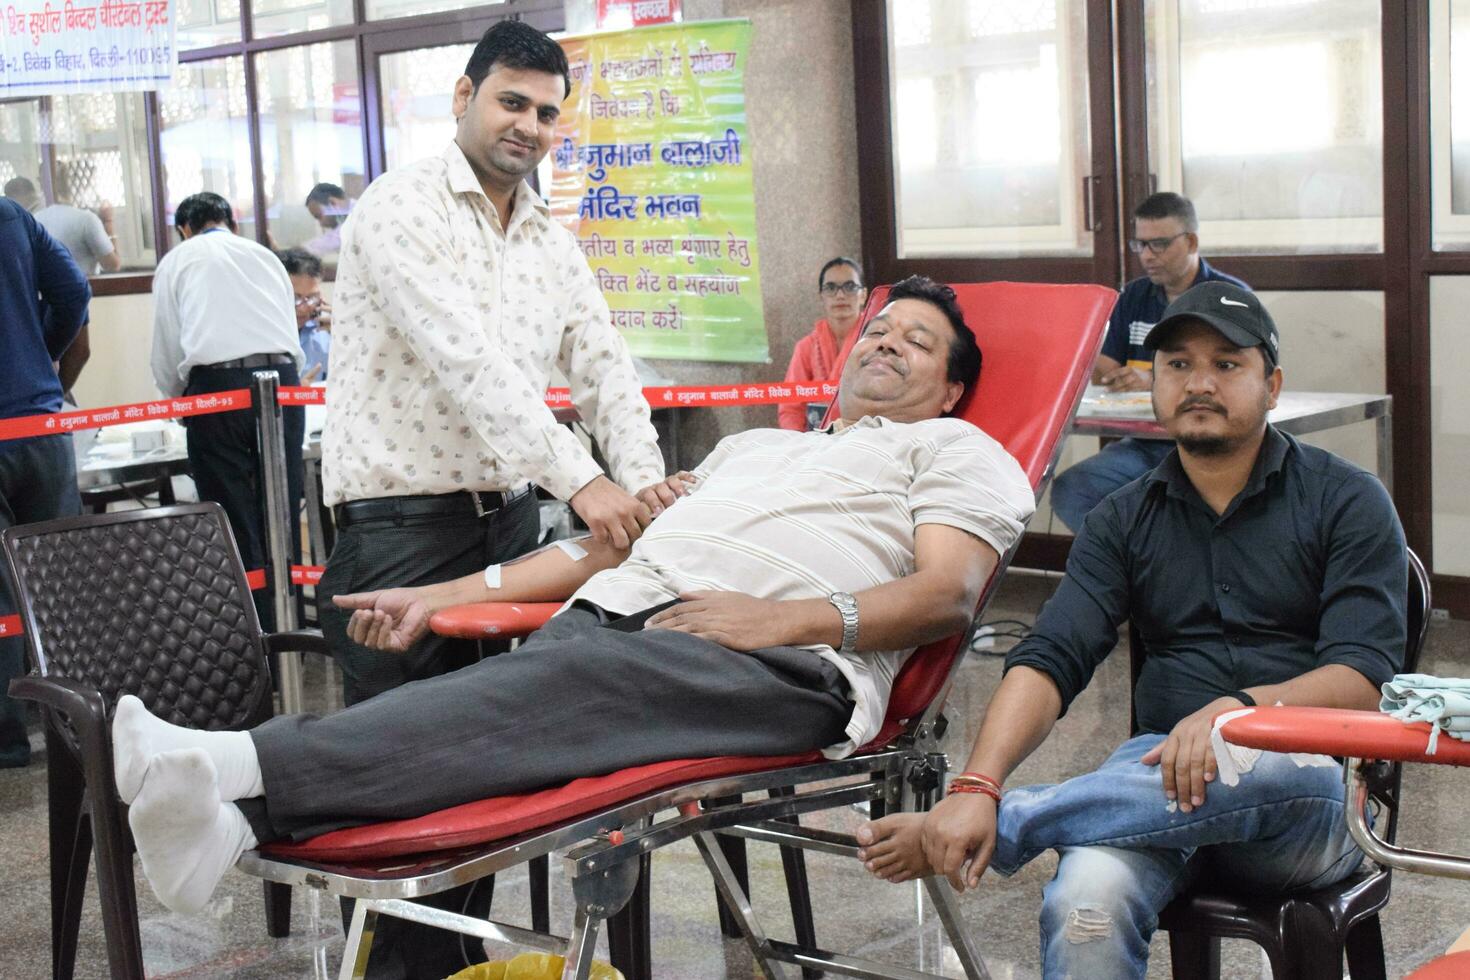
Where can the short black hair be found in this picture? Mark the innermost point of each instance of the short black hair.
(325, 194)
(1167, 204)
(19, 187)
(964, 352)
(300, 262)
(516, 44)
(833, 263)
(205, 208)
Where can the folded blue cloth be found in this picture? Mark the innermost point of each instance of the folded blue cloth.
(1444, 702)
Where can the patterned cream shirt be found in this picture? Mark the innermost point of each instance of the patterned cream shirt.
(445, 331)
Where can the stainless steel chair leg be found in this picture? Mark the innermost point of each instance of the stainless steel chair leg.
(359, 941)
(739, 903)
(954, 926)
(581, 946)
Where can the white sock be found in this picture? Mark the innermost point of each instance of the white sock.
(187, 838)
(138, 736)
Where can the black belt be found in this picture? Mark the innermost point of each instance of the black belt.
(466, 503)
(253, 361)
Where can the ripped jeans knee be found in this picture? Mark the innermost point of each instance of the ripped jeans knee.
(1100, 911)
(1087, 923)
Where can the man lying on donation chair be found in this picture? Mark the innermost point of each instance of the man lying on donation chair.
(786, 591)
(1257, 570)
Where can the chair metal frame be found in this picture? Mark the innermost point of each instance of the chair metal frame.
(604, 849)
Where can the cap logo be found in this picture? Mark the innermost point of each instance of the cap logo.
(1233, 302)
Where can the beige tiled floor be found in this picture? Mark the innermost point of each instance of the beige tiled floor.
(853, 911)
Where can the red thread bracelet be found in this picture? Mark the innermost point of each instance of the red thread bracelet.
(975, 788)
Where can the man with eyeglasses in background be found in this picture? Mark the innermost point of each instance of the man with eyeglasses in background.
(1166, 241)
(313, 313)
(840, 285)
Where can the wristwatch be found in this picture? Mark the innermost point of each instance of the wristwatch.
(847, 606)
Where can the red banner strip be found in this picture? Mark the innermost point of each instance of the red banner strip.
(676, 396)
(96, 418)
(10, 626)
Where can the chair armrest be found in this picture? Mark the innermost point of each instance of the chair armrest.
(493, 620)
(298, 641)
(1341, 732)
(84, 708)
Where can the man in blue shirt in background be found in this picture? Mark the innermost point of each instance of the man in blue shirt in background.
(43, 303)
(1166, 241)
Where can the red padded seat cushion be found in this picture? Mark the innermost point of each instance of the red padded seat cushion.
(507, 816)
(1454, 966)
(1039, 343)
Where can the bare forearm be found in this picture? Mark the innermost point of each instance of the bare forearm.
(911, 611)
(1333, 686)
(1020, 715)
(547, 575)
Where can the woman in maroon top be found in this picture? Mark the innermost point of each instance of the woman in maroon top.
(815, 358)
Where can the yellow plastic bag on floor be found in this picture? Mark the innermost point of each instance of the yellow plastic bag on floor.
(532, 966)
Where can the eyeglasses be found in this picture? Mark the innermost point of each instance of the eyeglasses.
(833, 288)
(1154, 245)
(308, 301)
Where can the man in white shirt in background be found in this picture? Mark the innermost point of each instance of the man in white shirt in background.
(223, 309)
(457, 295)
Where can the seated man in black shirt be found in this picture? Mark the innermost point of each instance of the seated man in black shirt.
(1257, 570)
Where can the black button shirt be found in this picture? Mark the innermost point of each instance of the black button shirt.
(1306, 567)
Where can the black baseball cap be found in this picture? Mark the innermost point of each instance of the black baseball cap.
(1237, 313)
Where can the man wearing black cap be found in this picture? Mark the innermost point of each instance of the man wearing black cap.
(1258, 571)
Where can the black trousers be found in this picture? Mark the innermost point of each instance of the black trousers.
(38, 482)
(417, 551)
(225, 461)
(574, 700)
(385, 554)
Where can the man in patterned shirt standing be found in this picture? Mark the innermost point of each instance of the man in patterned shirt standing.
(456, 296)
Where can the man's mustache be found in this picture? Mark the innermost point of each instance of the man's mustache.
(897, 363)
(1200, 402)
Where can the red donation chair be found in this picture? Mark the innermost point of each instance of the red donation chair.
(1039, 343)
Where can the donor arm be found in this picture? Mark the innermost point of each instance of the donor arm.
(396, 619)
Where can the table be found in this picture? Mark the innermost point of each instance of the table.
(152, 464)
(1296, 413)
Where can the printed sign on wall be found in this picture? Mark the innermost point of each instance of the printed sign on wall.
(64, 46)
(652, 171)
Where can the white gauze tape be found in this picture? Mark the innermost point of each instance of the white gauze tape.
(572, 550)
(492, 576)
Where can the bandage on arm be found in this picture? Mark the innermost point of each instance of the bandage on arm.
(548, 574)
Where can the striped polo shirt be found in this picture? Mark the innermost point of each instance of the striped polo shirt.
(785, 515)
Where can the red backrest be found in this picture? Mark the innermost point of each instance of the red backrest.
(1039, 343)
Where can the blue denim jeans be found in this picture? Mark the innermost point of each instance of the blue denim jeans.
(1078, 489)
(38, 481)
(1125, 854)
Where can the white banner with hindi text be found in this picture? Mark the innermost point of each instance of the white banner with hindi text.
(56, 47)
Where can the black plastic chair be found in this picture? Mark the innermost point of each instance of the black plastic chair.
(1305, 934)
(146, 602)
